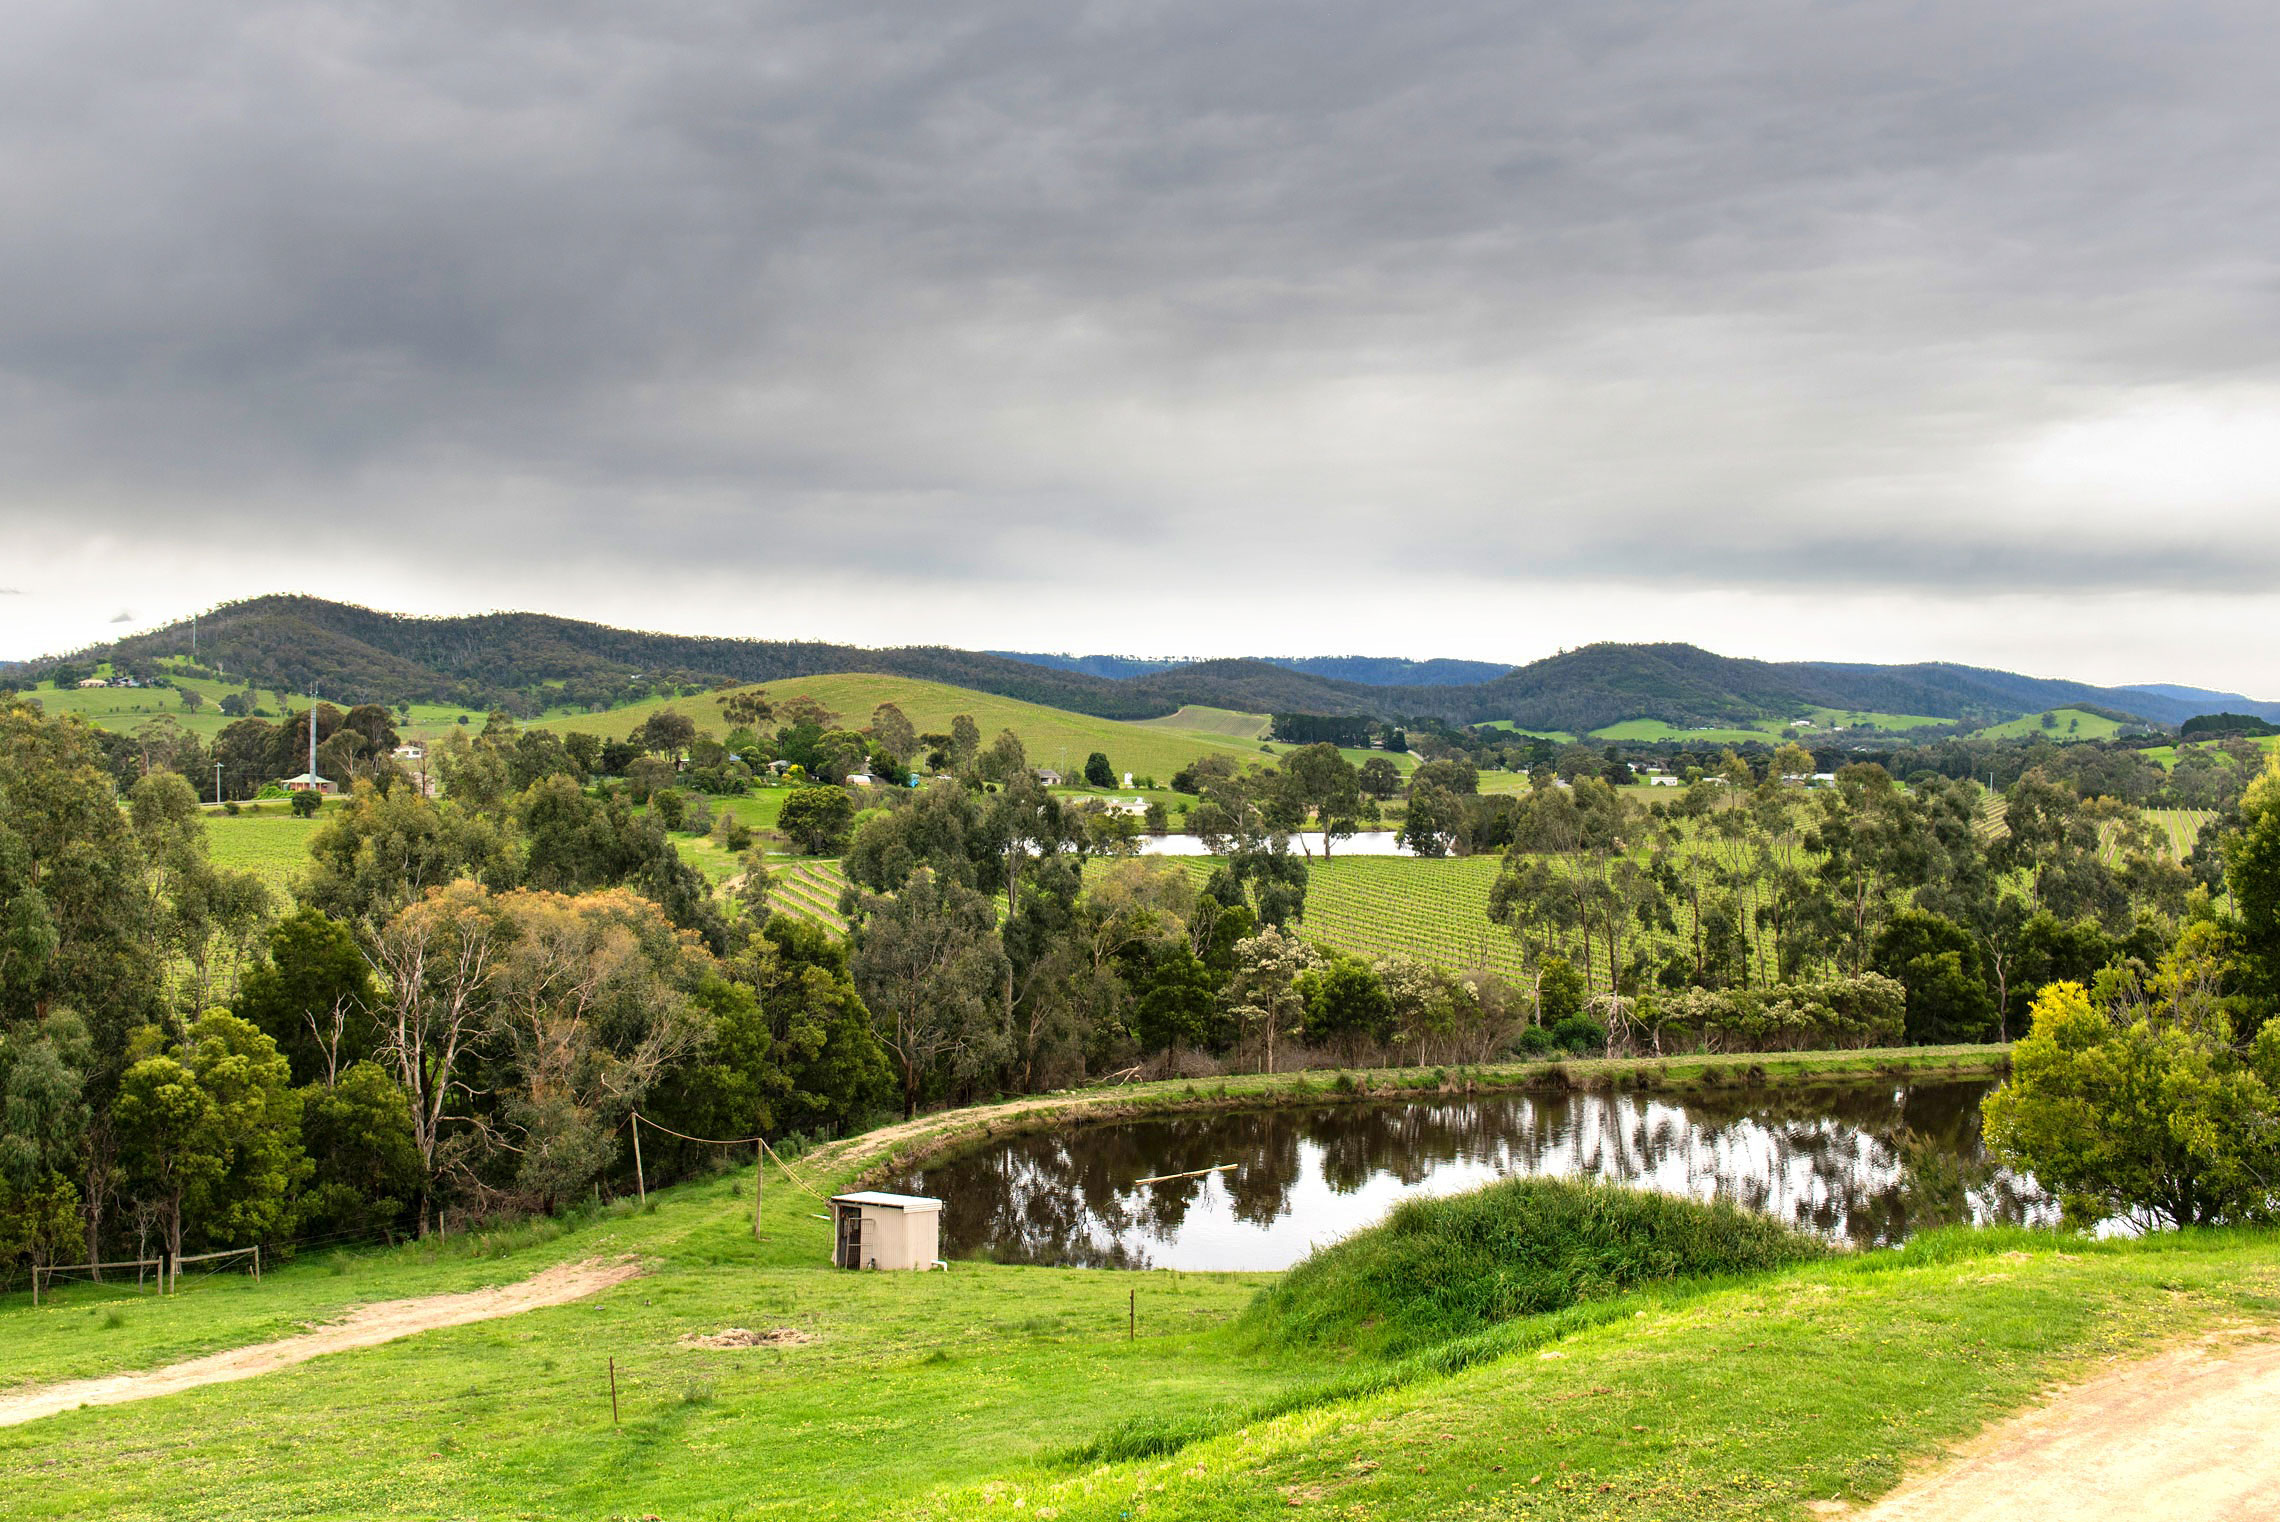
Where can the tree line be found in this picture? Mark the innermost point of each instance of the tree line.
(468, 994)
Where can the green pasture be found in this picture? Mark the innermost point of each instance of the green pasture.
(2070, 724)
(1052, 737)
(2166, 755)
(1655, 731)
(997, 1391)
(1227, 723)
(123, 709)
(1857, 718)
(1823, 723)
(1558, 736)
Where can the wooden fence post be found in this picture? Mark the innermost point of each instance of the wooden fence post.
(1132, 1318)
(613, 1392)
(759, 1178)
(639, 1182)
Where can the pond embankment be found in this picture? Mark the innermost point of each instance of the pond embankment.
(879, 1154)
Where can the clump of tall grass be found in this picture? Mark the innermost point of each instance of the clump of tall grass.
(1439, 1269)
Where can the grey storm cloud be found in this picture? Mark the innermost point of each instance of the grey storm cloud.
(1762, 294)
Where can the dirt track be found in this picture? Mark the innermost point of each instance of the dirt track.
(2190, 1436)
(382, 1321)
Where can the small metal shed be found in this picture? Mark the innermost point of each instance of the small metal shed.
(875, 1230)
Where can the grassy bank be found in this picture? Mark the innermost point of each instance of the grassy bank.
(876, 1154)
(1810, 1385)
(956, 1395)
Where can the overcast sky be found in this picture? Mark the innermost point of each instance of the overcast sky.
(1858, 331)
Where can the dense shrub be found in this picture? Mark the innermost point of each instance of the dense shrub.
(1868, 1009)
(2133, 1099)
(1581, 1035)
(1442, 1268)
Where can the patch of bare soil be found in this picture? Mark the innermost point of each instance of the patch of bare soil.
(2190, 1436)
(382, 1321)
(741, 1337)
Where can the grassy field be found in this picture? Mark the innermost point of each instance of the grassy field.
(2070, 724)
(1227, 723)
(1652, 731)
(1052, 736)
(124, 708)
(2166, 755)
(1561, 736)
(1769, 731)
(1011, 1391)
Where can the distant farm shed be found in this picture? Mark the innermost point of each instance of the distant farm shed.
(875, 1230)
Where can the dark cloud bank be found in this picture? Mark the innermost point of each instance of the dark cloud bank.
(1775, 301)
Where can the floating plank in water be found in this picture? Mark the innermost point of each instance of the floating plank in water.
(1165, 1178)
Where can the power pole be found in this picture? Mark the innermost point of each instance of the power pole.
(217, 784)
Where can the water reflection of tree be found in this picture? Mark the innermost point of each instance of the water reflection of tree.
(1865, 1163)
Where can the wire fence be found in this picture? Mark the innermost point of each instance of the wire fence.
(206, 1264)
(161, 1274)
(148, 1272)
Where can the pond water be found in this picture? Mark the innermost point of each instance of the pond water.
(1860, 1164)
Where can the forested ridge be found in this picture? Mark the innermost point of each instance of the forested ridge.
(523, 662)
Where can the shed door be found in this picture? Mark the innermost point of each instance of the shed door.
(850, 1236)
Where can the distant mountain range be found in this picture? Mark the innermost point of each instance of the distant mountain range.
(1368, 670)
(513, 660)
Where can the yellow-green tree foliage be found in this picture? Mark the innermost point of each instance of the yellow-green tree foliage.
(2132, 1099)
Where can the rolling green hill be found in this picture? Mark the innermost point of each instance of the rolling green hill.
(1053, 737)
(2065, 725)
(1227, 723)
(531, 663)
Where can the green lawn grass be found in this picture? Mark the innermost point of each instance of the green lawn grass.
(964, 1394)
(911, 1382)
(1809, 1385)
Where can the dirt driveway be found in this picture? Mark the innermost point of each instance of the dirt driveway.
(382, 1321)
(2190, 1436)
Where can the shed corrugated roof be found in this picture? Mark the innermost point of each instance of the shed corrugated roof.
(889, 1201)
